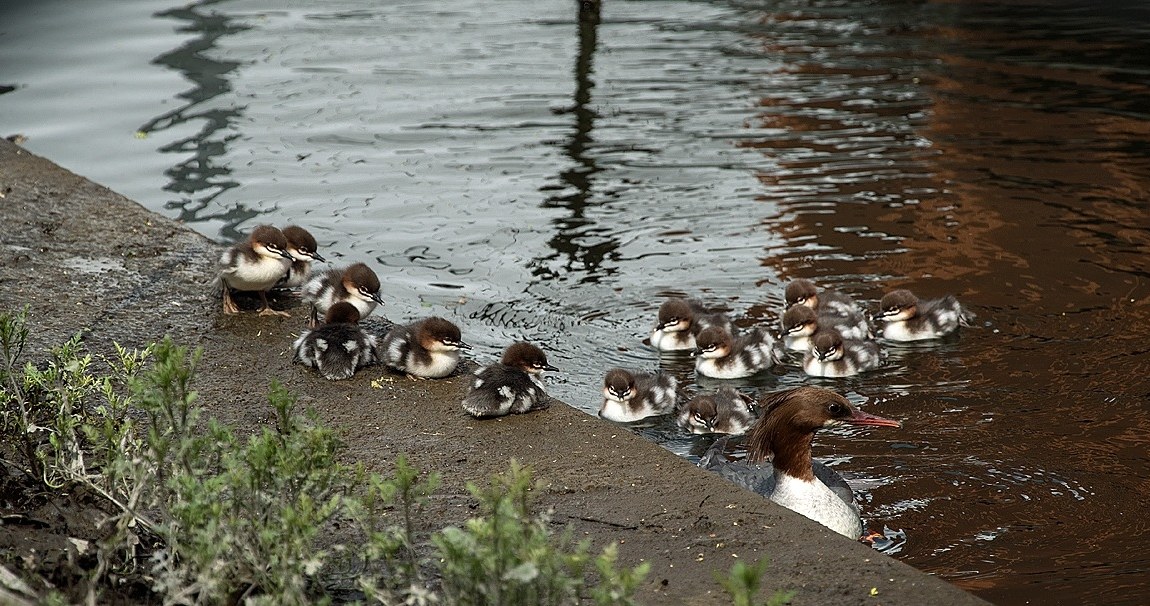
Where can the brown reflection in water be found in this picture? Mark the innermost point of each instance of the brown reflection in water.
(1029, 199)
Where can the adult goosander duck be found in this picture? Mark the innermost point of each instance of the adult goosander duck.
(680, 322)
(906, 318)
(255, 265)
(800, 323)
(339, 347)
(510, 386)
(720, 355)
(791, 479)
(301, 245)
(725, 411)
(356, 284)
(427, 349)
(831, 355)
(630, 396)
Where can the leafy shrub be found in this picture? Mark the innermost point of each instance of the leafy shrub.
(225, 519)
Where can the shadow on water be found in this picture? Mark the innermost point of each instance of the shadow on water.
(203, 176)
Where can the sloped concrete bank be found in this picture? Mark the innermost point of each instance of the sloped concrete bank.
(86, 258)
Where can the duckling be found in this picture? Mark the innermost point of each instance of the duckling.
(804, 292)
(427, 349)
(510, 386)
(906, 318)
(301, 246)
(681, 320)
(339, 347)
(356, 284)
(720, 355)
(255, 265)
(833, 356)
(630, 396)
(725, 411)
(800, 322)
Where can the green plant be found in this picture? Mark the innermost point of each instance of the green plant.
(509, 556)
(393, 568)
(229, 519)
(240, 517)
(743, 582)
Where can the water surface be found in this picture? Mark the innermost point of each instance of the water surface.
(533, 177)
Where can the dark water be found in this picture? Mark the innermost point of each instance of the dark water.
(533, 177)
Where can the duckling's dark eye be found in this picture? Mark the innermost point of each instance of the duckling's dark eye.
(836, 409)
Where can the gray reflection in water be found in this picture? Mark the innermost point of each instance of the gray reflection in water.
(574, 191)
(199, 178)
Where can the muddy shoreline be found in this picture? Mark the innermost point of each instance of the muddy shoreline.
(87, 259)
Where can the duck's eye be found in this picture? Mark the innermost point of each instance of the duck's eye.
(836, 409)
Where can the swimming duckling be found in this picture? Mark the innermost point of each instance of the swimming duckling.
(681, 320)
(725, 411)
(833, 356)
(630, 396)
(720, 355)
(906, 318)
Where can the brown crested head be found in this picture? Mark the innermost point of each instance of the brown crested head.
(619, 382)
(341, 313)
(301, 241)
(673, 311)
(526, 357)
(440, 330)
(826, 343)
(790, 420)
(703, 408)
(797, 316)
(712, 338)
(362, 277)
(895, 302)
(799, 291)
(270, 236)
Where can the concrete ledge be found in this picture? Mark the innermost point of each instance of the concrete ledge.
(86, 258)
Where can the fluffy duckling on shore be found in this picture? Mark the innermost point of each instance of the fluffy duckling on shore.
(356, 284)
(427, 349)
(339, 347)
(255, 266)
(510, 386)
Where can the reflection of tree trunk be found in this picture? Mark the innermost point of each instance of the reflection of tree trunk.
(199, 178)
(589, 11)
(575, 190)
